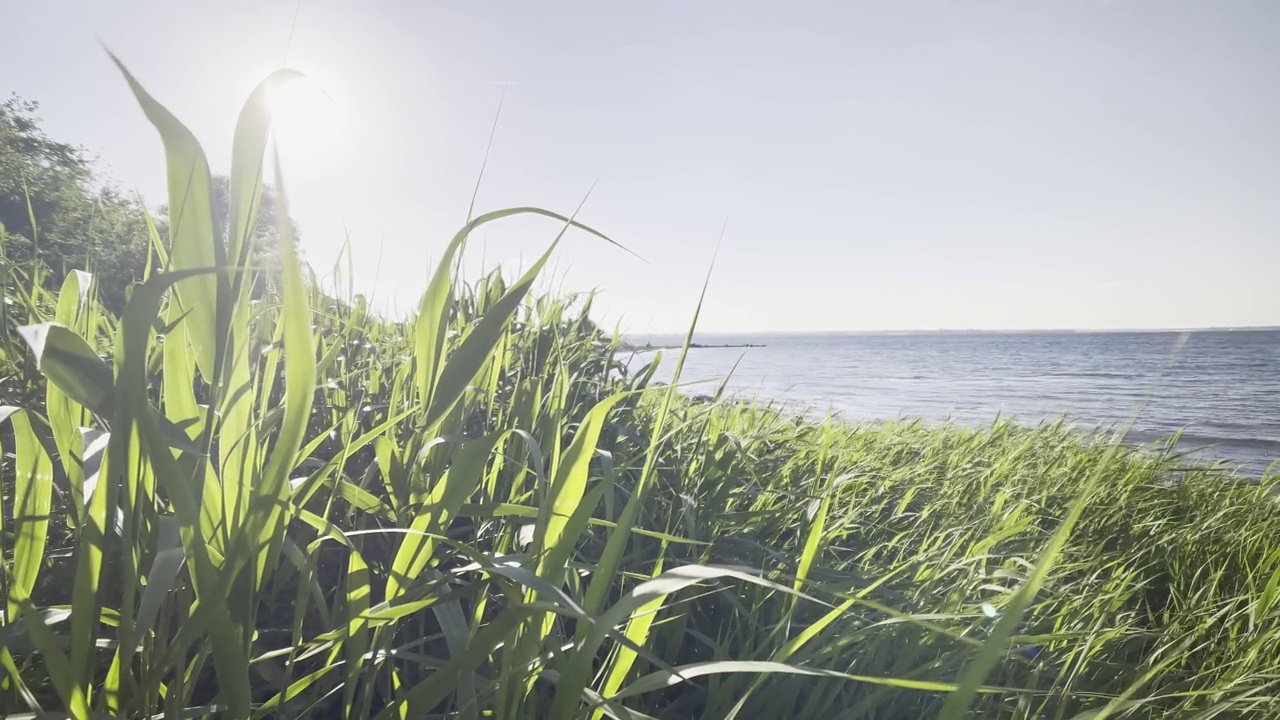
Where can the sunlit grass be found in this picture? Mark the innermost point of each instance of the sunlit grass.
(225, 507)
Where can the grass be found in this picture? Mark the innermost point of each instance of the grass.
(221, 507)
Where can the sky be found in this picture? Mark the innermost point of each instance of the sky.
(870, 165)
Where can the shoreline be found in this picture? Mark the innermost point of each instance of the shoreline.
(692, 346)
(1204, 452)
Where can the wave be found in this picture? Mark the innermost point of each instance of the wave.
(1266, 445)
(1099, 374)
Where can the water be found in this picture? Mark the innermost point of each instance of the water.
(1221, 389)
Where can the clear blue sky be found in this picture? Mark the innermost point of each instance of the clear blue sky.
(908, 165)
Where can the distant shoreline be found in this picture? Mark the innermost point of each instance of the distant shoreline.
(783, 334)
(692, 346)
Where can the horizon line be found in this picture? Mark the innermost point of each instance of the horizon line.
(989, 331)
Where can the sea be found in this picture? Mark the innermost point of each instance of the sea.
(1219, 390)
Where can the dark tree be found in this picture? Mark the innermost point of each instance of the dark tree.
(79, 220)
(82, 221)
(266, 231)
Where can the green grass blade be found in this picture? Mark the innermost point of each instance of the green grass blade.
(66, 415)
(792, 646)
(995, 646)
(247, 153)
(61, 672)
(272, 490)
(67, 360)
(135, 410)
(356, 640)
(684, 673)
(637, 631)
(432, 322)
(568, 484)
(193, 241)
(419, 700)
(449, 493)
(32, 493)
(574, 678)
(168, 561)
(616, 546)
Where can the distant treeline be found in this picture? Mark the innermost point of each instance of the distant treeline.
(651, 346)
(59, 211)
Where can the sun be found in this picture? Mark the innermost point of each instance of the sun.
(307, 121)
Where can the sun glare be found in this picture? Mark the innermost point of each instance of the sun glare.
(307, 120)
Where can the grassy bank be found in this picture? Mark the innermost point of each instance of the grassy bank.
(226, 507)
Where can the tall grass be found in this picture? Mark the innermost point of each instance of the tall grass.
(223, 507)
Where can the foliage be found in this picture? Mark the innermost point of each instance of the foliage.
(266, 229)
(60, 215)
(56, 211)
(289, 507)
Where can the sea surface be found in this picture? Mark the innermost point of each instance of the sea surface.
(1219, 389)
